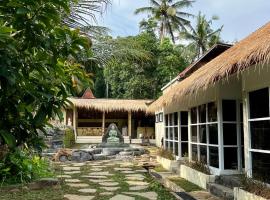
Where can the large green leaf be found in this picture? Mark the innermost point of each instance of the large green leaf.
(8, 138)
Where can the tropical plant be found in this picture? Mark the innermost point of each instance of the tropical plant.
(83, 14)
(202, 36)
(69, 138)
(170, 16)
(39, 66)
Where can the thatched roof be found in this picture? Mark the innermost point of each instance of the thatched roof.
(109, 105)
(254, 50)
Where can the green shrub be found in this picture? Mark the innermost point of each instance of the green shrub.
(199, 166)
(21, 166)
(69, 138)
(184, 184)
(166, 154)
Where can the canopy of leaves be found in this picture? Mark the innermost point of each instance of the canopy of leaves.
(39, 66)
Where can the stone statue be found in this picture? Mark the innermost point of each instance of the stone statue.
(112, 135)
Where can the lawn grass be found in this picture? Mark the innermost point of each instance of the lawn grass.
(184, 184)
(160, 169)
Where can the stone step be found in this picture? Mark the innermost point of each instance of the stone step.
(230, 181)
(221, 191)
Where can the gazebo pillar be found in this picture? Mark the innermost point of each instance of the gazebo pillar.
(75, 120)
(103, 122)
(129, 123)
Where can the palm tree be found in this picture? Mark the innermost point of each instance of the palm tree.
(169, 16)
(83, 16)
(202, 36)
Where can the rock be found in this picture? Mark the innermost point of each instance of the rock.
(110, 188)
(99, 157)
(63, 158)
(43, 183)
(81, 156)
(125, 153)
(14, 190)
(88, 190)
(122, 197)
(77, 197)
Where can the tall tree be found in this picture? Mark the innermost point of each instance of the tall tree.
(170, 16)
(202, 36)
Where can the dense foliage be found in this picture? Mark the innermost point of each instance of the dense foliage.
(143, 76)
(39, 66)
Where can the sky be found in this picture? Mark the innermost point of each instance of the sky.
(239, 17)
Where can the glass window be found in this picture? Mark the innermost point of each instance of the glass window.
(229, 134)
(203, 153)
(261, 166)
(193, 113)
(202, 113)
(194, 152)
(213, 133)
(175, 118)
(171, 146)
(202, 133)
(184, 148)
(260, 134)
(167, 120)
(166, 145)
(212, 112)
(160, 117)
(259, 103)
(176, 148)
(229, 110)
(194, 133)
(213, 157)
(184, 133)
(230, 158)
(171, 119)
(176, 133)
(167, 133)
(171, 133)
(184, 118)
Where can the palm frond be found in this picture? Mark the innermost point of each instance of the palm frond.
(150, 10)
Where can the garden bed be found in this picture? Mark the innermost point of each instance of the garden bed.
(168, 164)
(196, 177)
(241, 194)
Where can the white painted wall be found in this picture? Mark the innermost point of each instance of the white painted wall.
(160, 130)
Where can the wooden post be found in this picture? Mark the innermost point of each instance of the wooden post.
(103, 122)
(129, 123)
(75, 121)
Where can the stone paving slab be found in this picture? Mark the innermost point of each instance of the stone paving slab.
(78, 164)
(72, 181)
(137, 183)
(109, 183)
(110, 188)
(122, 169)
(96, 169)
(77, 197)
(128, 172)
(100, 174)
(122, 197)
(78, 185)
(134, 178)
(94, 177)
(71, 168)
(106, 193)
(148, 195)
(136, 188)
(72, 172)
(88, 190)
(63, 176)
(100, 180)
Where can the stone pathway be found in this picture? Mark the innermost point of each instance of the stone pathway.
(112, 180)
